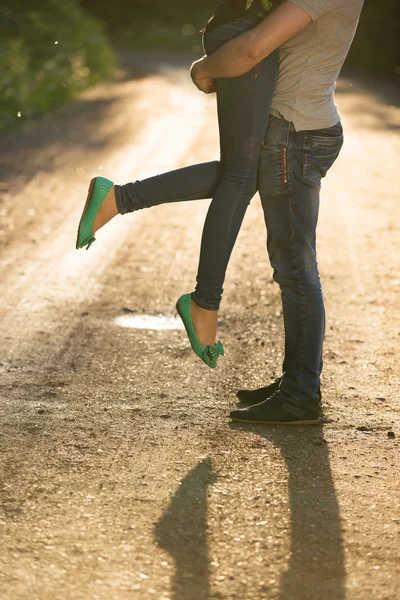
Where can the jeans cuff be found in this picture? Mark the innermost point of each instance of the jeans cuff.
(118, 200)
(206, 305)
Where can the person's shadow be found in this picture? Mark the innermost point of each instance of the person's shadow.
(182, 532)
(316, 568)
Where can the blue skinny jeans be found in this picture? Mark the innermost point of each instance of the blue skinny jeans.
(243, 110)
(291, 168)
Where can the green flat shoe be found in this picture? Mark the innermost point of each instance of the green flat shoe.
(98, 190)
(208, 354)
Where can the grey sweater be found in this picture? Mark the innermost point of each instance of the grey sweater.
(311, 61)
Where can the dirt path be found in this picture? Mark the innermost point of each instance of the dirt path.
(121, 476)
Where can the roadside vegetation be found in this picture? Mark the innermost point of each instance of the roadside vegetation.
(49, 51)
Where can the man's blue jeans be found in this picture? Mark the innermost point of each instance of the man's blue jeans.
(291, 167)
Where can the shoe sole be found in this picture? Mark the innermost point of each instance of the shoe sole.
(91, 186)
(258, 401)
(313, 422)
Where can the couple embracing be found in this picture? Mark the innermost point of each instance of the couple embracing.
(273, 66)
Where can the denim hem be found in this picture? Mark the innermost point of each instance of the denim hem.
(202, 304)
(118, 199)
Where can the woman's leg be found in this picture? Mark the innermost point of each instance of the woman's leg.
(243, 111)
(196, 182)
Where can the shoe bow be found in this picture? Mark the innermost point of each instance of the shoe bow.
(211, 353)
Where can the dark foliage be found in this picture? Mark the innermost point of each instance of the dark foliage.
(376, 47)
(49, 50)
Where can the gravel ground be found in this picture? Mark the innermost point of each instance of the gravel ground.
(120, 474)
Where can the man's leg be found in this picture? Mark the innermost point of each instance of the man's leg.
(292, 164)
(291, 215)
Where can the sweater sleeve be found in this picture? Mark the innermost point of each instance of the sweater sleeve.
(317, 8)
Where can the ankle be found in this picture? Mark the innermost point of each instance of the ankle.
(205, 323)
(107, 211)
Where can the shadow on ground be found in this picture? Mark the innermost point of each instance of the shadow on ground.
(316, 568)
(182, 532)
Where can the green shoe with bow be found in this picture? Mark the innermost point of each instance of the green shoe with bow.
(208, 354)
(98, 190)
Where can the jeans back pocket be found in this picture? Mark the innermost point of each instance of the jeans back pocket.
(320, 150)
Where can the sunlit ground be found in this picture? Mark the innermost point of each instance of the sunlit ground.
(155, 323)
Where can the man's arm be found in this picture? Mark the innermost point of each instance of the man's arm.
(243, 53)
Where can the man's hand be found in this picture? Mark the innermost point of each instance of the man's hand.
(205, 85)
(200, 80)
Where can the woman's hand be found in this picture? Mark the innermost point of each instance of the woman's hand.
(199, 77)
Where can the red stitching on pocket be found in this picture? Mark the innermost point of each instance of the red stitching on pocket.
(284, 165)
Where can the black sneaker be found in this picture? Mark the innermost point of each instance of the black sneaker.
(259, 395)
(252, 397)
(280, 409)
